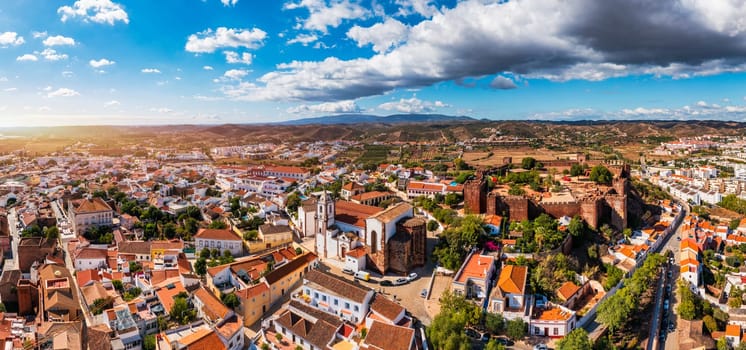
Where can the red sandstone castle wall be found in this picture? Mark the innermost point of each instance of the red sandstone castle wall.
(558, 210)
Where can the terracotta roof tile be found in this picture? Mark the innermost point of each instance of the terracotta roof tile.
(389, 337)
(513, 279)
(224, 235)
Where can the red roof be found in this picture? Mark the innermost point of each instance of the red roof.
(223, 235)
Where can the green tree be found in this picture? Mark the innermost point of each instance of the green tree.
(52, 233)
(293, 202)
(710, 323)
(279, 337)
(575, 340)
(181, 312)
(600, 174)
(118, 285)
(613, 276)
(722, 344)
(576, 226)
(218, 225)
(200, 266)
(494, 322)
(614, 312)
(149, 342)
(515, 329)
(528, 163)
(494, 345)
(230, 300)
(432, 225)
(251, 235)
(577, 170)
(204, 253)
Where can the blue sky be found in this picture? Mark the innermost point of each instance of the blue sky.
(74, 62)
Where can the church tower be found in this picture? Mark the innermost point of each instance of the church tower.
(324, 220)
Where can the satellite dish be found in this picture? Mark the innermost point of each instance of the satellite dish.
(57, 273)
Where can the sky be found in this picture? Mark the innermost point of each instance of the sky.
(68, 62)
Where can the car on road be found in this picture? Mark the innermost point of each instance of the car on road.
(348, 271)
(401, 281)
(665, 305)
(386, 283)
(423, 293)
(412, 276)
(540, 347)
(671, 327)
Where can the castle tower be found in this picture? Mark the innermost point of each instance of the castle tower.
(475, 194)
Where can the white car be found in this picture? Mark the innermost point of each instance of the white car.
(401, 281)
(540, 347)
(412, 276)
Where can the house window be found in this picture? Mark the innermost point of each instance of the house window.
(323, 297)
(336, 302)
(556, 331)
(315, 295)
(347, 306)
(537, 331)
(357, 308)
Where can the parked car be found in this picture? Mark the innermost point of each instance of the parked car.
(348, 271)
(503, 341)
(400, 281)
(472, 333)
(412, 276)
(665, 305)
(423, 293)
(386, 283)
(540, 347)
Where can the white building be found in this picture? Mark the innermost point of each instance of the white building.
(219, 239)
(337, 296)
(89, 212)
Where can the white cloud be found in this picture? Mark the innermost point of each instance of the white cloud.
(383, 36)
(3, 79)
(236, 74)
(229, 2)
(552, 39)
(52, 55)
(303, 39)
(233, 57)
(39, 35)
(27, 58)
(348, 106)
(100, 63)
(324, 14)
(98, 11)
(207, 67)
(150, 71)
(423, 8)
(412, 105)
(44, 109)
(11, 89)
(10, 39)
(701, 103)
(58, 40)
(502, 83)
(68, 74)
(111, 103)
(63, 92)
(208, 41)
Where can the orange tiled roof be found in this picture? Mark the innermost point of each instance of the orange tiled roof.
(513, 279)
(567, 290)
(733, 330)
(689, 243)
(224, 235)
(476, 267)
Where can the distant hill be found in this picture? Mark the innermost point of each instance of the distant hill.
(374, 119)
